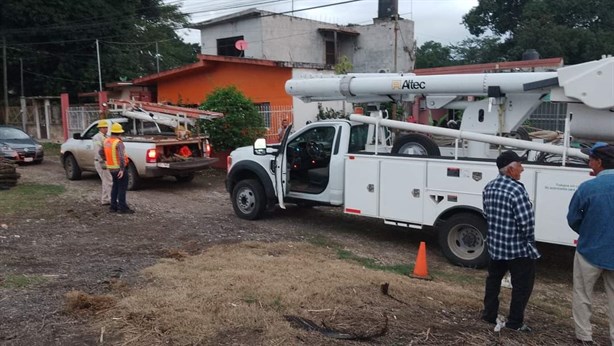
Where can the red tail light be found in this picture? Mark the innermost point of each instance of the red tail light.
(228, 163)
(208, 149)
(151, 156)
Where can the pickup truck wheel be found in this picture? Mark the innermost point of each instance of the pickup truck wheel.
(415, 144)
(185, 178)
(462, 239)
(134, 181)
(248, 199)
(71, 168)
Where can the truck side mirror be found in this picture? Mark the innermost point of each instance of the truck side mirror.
(76, 136)
(260, 146)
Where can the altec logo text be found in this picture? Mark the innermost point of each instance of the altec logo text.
(408, 84)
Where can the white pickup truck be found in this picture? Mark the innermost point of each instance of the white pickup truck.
(153, 149)
(325, 163)
(331, 162)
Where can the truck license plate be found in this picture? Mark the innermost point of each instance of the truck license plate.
(28, 159)
(163, 165)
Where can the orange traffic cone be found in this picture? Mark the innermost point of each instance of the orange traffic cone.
(421, 270)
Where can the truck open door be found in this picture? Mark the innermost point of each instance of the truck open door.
(281, 169)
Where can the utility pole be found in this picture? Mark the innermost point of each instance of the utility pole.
(21, 75)
(99, 73)
(396, 39)
(393, 116)
(5, 82)
(157, 58)
(22, 99)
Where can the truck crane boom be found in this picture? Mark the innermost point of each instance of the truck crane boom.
(591, 83)
(504, 100)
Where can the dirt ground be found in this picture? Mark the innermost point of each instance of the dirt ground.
(74, 244)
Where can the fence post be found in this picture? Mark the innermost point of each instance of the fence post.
(64, 110)
(24, 113)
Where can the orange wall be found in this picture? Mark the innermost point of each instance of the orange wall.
(259, 83)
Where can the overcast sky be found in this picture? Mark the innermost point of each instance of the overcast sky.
(435, 20)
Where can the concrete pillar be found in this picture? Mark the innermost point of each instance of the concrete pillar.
(47, 118)
(24, 113)
(102, 103)
(64, 110)
(37, 118)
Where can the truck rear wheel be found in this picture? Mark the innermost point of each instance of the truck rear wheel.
(248, 199)
(71, 168)
(134, 181)
(415, 144)
(462, 239)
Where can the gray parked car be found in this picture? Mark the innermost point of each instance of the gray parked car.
(18, 146)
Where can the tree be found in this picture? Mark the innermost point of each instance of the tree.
(499, 16)
(577, 30)
(56, 40)
(343, 66)
(433, 54)
(469, 51)
(477, 51)
(241, 123)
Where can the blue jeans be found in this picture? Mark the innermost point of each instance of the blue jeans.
(118, 191)
(522, 271)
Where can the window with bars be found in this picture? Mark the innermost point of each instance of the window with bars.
(330, 53)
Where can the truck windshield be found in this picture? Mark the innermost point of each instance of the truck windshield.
(358, 138)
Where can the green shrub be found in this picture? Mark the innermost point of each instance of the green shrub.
(240, 125)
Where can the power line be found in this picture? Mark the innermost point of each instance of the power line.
(57, 78)
(136, 43)
(63, 41)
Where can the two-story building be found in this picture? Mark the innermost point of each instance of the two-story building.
(386, 45)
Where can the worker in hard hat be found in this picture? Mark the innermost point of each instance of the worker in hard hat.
(99, 162)
(117, 164)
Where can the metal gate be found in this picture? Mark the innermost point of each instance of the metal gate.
(79, 117)
(272, 116)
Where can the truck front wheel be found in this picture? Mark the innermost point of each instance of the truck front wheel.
(248, 199)
(462, 239)
(71, 168)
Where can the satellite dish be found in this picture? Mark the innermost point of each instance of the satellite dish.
(241, 45)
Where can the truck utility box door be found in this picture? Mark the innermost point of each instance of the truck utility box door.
(553, 193)
(402, 185)
(361, 185)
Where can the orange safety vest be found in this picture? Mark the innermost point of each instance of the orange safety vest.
(112, 155)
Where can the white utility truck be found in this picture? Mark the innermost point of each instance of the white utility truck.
(336, 162)
(154, 144)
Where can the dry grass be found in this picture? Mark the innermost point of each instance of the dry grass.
(239, 294)
(243, 290)
(77, 302)
(176, 254)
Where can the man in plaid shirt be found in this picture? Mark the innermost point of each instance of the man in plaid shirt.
(510, 240)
